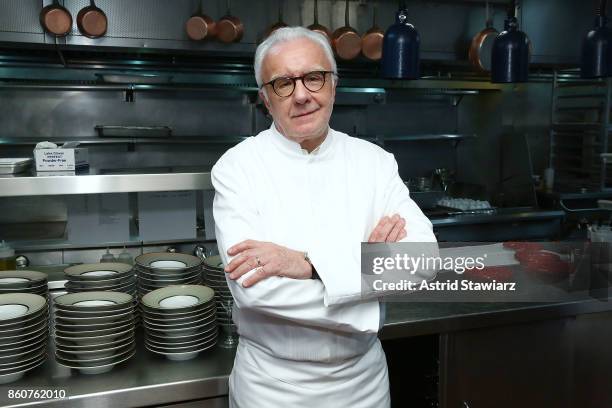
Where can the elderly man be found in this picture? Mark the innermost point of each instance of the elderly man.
(292, 206)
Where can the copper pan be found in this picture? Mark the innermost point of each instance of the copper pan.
(56, 19)
(479, 54)
(372, 40)
(200, 26)
(92, 21)
(279, 24)
(315, 26)
(346, 41)
(229, 27)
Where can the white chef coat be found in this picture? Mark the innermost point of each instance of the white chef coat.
(309, 334)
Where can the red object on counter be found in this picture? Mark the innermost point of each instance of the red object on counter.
(519, 246)
(490, 273)
(544, 265)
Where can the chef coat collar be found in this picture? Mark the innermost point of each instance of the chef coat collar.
(292, 147)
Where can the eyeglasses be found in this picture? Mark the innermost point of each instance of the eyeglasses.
(284, 86)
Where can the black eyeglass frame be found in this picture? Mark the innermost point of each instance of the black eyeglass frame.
(301, 78)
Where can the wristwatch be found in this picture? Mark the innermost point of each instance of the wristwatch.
(315, 275)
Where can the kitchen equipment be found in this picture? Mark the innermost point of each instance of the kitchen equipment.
(56, 19)
(279, 24)
(7, 257)
(315, 26)
(13, 166)
(125, 257)
(108, 257)
(200, 26)
(443, 178)
(229, 27)
(346, 41)
(510, 54)
(596, 61)
(482, 44)
(401, 48)
(92, 21)
(371, 42)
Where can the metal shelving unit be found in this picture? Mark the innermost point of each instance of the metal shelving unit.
(580, 132)
(95, 182)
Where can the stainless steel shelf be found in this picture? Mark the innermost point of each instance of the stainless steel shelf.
(410, 138)
(95, 183)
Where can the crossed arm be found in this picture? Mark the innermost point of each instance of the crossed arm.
(270, 259)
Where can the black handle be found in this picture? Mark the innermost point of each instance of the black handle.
(316, 12)
(346, 14)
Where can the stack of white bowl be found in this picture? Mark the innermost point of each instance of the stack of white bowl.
(94, 331)
(24, 333)
(160, 269)
(214, 276)
(23, 281)
(108, 276)
(179, 321)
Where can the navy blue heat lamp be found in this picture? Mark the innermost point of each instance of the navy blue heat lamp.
(400, 53)
(596, 59)
(510, 54)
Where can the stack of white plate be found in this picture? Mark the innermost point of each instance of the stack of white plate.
(24, 332)
(179, 321)
(214, 276)
(160, 269)
(23, 281)
(94, 331)
(110, 276)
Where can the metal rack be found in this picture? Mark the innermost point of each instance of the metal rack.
(580, 132)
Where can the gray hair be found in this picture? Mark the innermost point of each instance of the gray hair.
(289, 34)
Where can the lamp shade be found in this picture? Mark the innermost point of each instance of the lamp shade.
(510, 55)
(400, 53)
(596, 59)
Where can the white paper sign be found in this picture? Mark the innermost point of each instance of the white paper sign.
(98, 218)
(167, 215)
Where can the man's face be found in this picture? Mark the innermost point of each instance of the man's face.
(304, 116)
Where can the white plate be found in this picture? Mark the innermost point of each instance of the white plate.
(86, 368)
(22, 279)
(16, 307)
(94, 301)
(20, 371)
(155, 298)
(98, 271)
(166, 260)
(183, 356)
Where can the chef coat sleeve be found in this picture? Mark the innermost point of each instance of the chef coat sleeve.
(298, 300)
(392, 197)
(419, 230)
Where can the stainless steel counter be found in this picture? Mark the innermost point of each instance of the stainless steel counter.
(146, 379)
(151, 380)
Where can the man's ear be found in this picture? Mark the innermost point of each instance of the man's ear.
(264, 98)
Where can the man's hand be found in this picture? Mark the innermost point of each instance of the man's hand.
(389, 229)
(269, 259)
